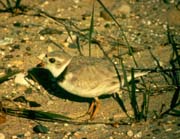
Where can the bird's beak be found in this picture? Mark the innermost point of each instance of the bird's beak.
(40, 65)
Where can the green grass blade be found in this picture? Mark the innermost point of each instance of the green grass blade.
(18, 3)
(144, 104)
(121, 103)
(91, 28)
(125, 76)
(134, 103)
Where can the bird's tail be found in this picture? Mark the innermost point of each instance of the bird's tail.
(129, 76)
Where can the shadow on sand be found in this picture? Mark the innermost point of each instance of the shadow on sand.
(46, 79)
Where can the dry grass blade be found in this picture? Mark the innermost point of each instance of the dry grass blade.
(13, 7)
(2, 114)
(121, 29)
(53, 117)
(159, 66)
(4, 5)
(36, 115)
(8, 76)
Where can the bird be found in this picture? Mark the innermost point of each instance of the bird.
(84, 76)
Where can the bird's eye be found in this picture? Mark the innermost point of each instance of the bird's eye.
(52, 60)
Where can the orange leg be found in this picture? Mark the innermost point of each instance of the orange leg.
(94, 108)
(91, 108)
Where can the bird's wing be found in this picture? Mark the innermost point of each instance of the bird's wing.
(91, 72)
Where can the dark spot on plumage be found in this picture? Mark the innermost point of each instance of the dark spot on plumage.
(73, 79)
(113, 83)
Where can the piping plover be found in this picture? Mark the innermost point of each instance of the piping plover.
(87, 77)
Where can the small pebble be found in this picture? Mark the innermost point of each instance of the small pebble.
(66, 124)
(50, 102)
(2, 136)
(16, 46)
(130, 133)
(14, 137)
(71, 39)
(41, 56)
(116, 125)
(28, 48)
(105, 15)
(27, 134)
(41, 129)
(8, 56)
(138, 135)
(6, 41)
(2, 53)
(168, 129)
(148, 22)
(125, 9)
(77, 134)
(28, 91)
(20, 79)
(42, 38)
(76, 1)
